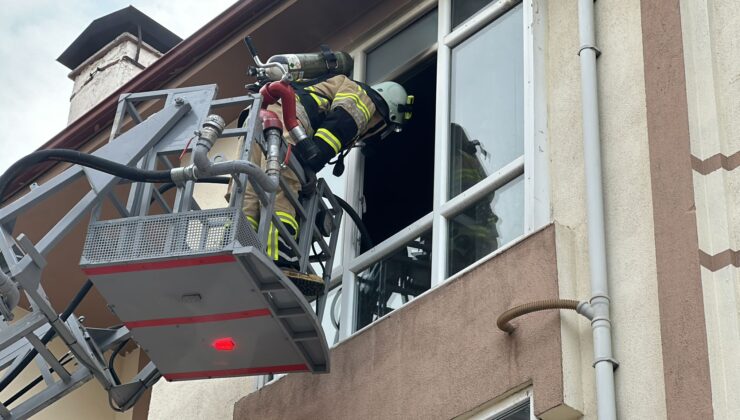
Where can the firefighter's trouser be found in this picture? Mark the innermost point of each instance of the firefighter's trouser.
(276, 248)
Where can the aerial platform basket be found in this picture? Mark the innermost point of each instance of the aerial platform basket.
(201, 298)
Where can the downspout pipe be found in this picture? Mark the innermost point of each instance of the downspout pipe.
(604, 362)
(202, 166)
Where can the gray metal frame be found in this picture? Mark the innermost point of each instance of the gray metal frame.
(148, 143)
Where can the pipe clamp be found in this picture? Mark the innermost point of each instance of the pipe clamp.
(591, 301)
(183, 174)
(590, 47)
(613, 361)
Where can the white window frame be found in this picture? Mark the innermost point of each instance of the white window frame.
(533, 164)
(497, 408)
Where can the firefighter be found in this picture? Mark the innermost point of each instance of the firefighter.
(336, 112)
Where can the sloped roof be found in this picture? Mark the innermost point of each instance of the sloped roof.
(105, 29)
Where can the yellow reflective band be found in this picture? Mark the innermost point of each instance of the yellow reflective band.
(319, 100)
(358, 102)
(288, 218)
(362, 91)
(409, 101)
(253, 221)
(269, 243)
(330, 139)
(275, 245)
(272, 243)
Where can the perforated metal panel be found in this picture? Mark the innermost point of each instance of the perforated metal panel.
(166, 236)
(180, 281)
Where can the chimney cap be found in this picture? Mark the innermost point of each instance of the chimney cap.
(105, 29)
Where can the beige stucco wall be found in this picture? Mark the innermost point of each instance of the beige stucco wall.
(628, 206)
(196, 400)
(93, 82)
(710, 34)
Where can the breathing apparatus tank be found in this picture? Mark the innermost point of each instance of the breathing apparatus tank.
(300, 66)
(311, 65)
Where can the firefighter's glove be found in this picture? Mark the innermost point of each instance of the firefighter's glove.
(310, 155)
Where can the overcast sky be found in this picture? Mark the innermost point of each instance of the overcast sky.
(35, 90)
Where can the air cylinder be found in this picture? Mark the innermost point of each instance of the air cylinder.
(310, 66)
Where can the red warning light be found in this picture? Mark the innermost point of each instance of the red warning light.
(223, 344)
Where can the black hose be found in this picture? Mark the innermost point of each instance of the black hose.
(35, 382)
(133, 174)
(71, 306)
(209, 180)
(364, 233)
(112, 359)
(10, 376)
(83, 159)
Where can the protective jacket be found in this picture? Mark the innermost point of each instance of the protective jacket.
(335, 112)
(338, 111)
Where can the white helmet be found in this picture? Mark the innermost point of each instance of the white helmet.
(399, 103)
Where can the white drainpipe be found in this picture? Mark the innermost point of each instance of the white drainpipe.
(604, 362)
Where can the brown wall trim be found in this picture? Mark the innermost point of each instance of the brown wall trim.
(682, 325)
(715, 162)
(719, 261)
(440, 355)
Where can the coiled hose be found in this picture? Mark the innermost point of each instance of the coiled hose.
(540, 305)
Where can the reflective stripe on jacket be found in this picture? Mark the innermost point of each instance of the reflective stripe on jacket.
(339, 110)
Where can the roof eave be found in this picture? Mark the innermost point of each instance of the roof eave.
(153, 77)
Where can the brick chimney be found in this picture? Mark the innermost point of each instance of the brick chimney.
(110, 52)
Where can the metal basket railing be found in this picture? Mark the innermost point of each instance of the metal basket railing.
(167, 235)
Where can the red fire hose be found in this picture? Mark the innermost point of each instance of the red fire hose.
(271, 92)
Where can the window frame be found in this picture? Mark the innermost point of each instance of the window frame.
(494, 410)
(532, 164)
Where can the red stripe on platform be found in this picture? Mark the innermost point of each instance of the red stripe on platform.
(235, 372)
(197, 319)
(158, 265)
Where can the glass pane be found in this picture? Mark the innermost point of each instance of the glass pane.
(517, 413)
(399, 49)
(463, 9)
(486, 225)
(394, 280)
(486, 108)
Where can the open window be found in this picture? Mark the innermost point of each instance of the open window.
(457, 175)
(398, 187)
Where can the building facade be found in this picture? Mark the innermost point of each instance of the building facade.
(481, 205)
